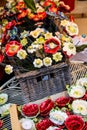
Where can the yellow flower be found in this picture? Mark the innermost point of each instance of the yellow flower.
(24, 42)
(64, 22)
(40, 40)
(35, 33)
(48, 35)
(30, 49)
(21, 54)
(38, 63)
(47, 61)
(57, 56)
(8, 69)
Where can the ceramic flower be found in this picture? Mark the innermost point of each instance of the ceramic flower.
(12, 48)
(31, 49)
(57, 117)
(48, 35)
(69, 49)
(72, 29)
(76, 91)
(24, 42)
(38, 63)
(47, 61)
(82, 82)
(3, 98)
(40, 40)
(57, 56)
(21, 54)
(8, 69)
(79, 107)
(74, 122)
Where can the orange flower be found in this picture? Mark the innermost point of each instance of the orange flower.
(23, 14)
(12, 48)
(20, 6)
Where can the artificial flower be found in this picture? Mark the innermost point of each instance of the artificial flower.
(52, 45)
(82, 82)
(48, 35)
(31, 49)
(76, 91)
(40, 40)
(12, 48)
(23, 14)
(74, 122)
(21, 54)
(8, 69)
(69, 49)
(24, 34)
(57, 56)
(20, 5)
(24, 41)
(47, 61)
(53, 9)
(46, 106)
(38, 63)
(62, 101)
(10, 24)
(30, 110)
(72, 29)
(64, 23)
(79, 107)
(44, 124)
(35, 33)
(3, 98)
(58, 117)
(34, 45)
(1, 123)
(1, 57)
(48, 3)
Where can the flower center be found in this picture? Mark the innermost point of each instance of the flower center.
(47, 61)
(13, 48)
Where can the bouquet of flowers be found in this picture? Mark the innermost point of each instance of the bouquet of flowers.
(30, 36)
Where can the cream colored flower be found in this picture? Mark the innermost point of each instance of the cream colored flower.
(82, 82)
(64, 23)
(22, 54)
(24, 42)
(57, 117)
(47, 61)
(79, 107)
(40, 40)
(35, 45)
(48, 35)
(57, 56)
(77, 91)
(31, 49)
(8, 69)
(38, 63)
(69, 48)
(72, 29)
(35, 33)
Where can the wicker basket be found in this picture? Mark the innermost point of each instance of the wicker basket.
(44, 82)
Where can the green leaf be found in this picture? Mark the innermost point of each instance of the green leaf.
(81, 48)
(30, 4)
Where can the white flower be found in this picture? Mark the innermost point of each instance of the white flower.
(4, 110)
(82, 82)
(69, 48)
(21, 54)
(72, 29)
(37, 32)
(79, 107)
(3, 98)
(38, 63)
(31, 49)
(64, 22)
(58, 117)
(77, 91)
(48, 35)
(57, 56)
(8, 69)
(47, 61)
(35, 45)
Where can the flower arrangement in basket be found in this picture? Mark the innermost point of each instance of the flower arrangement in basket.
(35, 34)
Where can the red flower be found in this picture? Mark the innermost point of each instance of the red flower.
(22, 14)
(20, 6)
(1, 123)
(12, 48)
(11, 24)
(49, 3)
(39, 16)
(30, 110)
(62, 101)
(1, 57)
(85, 127)
(44, 124)
(52, 45)
(46, 106)
(74, 122)
(53, 9)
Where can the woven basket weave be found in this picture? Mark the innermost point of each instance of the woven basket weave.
(44, 82)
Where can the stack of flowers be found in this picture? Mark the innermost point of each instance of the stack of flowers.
(30, 36)
(64, 113)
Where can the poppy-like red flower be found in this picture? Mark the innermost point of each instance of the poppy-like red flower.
(12, 48)
(20, 6)
(62, 101)
(44, 124)
(74, 122)
(22, 14)
(53, 9)
(30, 110)
(52, 45)
(46, 106)
(1, 56)
(49, 3)
(38, 16)
(10, 24)
(1, 123)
